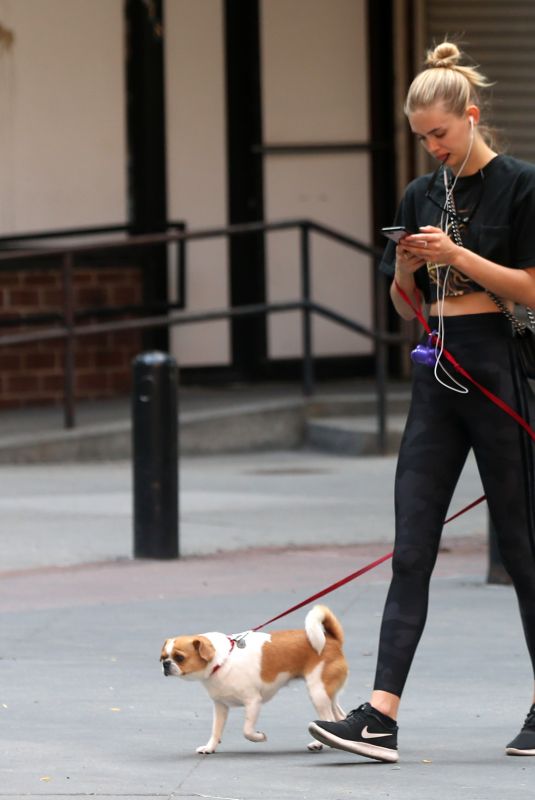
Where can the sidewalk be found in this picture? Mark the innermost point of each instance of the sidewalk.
(66, 514)
(86, 711)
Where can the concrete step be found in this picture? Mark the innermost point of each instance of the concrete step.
(353, 436)
(241, 428)
(254, 423)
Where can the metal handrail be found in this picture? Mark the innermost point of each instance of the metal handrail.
(26, 259)
(152, 239)
(64, 233)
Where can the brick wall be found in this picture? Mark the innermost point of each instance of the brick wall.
(33, 373)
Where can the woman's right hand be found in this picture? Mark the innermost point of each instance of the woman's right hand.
(406, 262)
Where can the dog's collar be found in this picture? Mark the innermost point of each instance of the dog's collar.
(218, 666)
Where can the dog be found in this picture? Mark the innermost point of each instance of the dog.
(248, 669)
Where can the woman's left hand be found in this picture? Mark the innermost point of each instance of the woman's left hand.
(432, 244)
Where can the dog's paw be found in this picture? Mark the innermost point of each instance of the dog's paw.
(314, 746)
(206, 749)
(256, 736)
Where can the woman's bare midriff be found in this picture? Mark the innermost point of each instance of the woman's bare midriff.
(475, 303)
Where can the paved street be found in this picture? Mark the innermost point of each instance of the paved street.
(85, 710)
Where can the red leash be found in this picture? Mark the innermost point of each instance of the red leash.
(353, 575)
(496, 400)
(329, 589)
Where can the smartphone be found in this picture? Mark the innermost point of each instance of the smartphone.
(396, 232)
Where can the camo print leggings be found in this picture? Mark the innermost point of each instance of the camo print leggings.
(442, 427)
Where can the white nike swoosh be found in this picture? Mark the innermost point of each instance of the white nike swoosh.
(366, 735)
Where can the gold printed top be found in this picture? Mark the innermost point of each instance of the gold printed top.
(457, 283)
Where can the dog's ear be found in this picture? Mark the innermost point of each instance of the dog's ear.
(165, 653)
(205, 648)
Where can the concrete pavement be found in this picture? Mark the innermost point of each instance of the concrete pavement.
(85, 710)
(55, 514)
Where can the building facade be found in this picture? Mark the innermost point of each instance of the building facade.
(219, 112)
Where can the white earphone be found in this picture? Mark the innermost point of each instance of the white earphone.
(454, 385)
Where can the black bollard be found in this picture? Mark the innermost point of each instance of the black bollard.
(496, 570)
(155, 455)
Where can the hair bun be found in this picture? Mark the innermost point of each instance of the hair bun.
(445, 55)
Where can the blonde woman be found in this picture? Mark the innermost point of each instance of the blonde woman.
(470, 253)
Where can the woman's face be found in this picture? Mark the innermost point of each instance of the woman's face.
(445, 136)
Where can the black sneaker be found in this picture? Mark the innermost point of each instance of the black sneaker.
(365, 731)
(524, 743)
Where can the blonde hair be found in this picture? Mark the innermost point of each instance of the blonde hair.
(445, 81)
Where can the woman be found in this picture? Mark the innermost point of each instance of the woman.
(473, 232)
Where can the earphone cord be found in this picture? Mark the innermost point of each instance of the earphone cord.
(448, 221)
(439, 346)
(491, 396)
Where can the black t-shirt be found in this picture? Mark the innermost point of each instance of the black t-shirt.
(499, 205)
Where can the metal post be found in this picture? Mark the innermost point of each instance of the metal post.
(308, 367)
(496, 572)
(68, 372)
(380, 382)
(181, 272)
(155, 455)
(381, 359)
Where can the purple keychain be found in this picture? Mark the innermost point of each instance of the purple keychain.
(425, 354)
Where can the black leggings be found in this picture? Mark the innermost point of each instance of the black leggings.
(442, 427)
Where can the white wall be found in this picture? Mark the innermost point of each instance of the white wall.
(196, 162)
(63, 150)
(62, 119)
(315, 88)
(314, 71)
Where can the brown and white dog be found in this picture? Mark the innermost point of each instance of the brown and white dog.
(248, 669)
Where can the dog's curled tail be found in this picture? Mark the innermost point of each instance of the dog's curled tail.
(319, 621)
